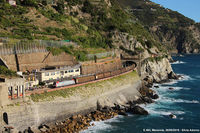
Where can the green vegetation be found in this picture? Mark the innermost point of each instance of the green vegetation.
(92, 24)
(166, 26)
(157, 58)
(47, 96)
(6, 72)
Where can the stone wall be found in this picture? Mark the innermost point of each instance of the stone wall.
(100, 67)
(106, 93)
(31, 61)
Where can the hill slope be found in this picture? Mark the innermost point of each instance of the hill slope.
(168, 27)
(132, 25)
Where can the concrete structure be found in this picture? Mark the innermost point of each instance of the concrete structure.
(33, 61)
(100, 67)
(3, 94)
(60, 73)
(12, 88)
(107, 94)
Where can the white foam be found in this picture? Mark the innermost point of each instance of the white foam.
(166, 88)
(185, 77)
(101, 125)
(156, 111)
(178, 62)
(166, 99)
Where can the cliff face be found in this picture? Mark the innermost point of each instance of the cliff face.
(117, 90)
(156, 70)
(175, 31)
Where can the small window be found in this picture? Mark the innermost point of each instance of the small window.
(53, 73)
(77, 70)
(71, 70)
(46, 74)
(58, 72)
(66, 72)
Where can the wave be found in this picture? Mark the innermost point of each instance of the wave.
(185, 77)
(102, 125)
(157, 111)
(166, 99)
(178, 62)
(166, 88)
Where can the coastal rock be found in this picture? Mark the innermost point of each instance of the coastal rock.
(172, 116)
(155, 96)
(172, 75)
(156, 70)
(156, 86)
(122, 113)
(138, 110)
(147, 100)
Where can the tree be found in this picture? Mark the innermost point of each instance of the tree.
(30, 3)
(60, 6)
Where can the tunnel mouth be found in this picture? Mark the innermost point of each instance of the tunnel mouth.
(5, 117)
(128, 63)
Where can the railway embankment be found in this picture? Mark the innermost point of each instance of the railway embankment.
(57, 105)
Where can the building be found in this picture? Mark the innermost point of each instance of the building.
(12, 2)
(57, 74)
(12, 88)
(31, 80)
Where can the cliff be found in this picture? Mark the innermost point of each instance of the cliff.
(175, 31)
(156, 70)
(53, 106)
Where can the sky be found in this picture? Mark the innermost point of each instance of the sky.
(189, 8)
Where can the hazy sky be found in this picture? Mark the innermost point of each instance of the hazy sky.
(189, 8)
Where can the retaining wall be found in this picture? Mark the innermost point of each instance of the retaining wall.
(84, 99)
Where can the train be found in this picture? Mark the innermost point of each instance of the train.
(84, 79)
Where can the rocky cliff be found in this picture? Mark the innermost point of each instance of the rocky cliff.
(156, 70)
(175, 31)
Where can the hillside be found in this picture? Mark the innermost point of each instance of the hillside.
(172, 29)
(90, 23)
(132, 26)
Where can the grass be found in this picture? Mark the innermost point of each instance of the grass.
(87, 90)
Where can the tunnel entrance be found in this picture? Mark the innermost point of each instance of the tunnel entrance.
(5, 117)
(128, 63)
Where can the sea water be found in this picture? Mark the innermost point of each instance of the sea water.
(183, 101)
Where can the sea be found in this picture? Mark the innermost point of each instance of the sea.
(183, 101)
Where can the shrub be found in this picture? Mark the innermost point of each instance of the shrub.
(6, 71)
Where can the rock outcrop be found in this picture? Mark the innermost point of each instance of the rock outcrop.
(156, 71)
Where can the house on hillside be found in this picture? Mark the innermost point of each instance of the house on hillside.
(12, 2)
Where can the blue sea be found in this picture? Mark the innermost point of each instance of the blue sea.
(183, 101)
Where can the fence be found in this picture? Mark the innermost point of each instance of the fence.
(101, 55)
(11, 46)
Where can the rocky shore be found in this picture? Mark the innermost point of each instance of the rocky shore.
(77, 123)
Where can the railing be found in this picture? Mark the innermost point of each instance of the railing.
(10, 46)
(101, 55)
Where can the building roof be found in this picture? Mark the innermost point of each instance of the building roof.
(61, 68)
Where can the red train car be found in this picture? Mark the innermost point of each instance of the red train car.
(99, 76)
(115, 72)
(85, 79)
(107, 74)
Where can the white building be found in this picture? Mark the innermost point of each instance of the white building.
(61, 73)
